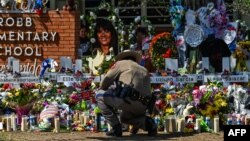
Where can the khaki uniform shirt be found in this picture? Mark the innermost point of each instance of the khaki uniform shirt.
(127, 71)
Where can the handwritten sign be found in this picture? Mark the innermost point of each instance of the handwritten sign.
(226, 78)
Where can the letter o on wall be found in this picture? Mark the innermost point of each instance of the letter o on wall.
(27, 52)
(10, 21)
(18, 53)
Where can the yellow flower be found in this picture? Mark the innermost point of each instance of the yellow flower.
(168, 97)
(170, 110)
(4, 101)
(223, 103)
(36, 94)
(9, 94)
(17, 93)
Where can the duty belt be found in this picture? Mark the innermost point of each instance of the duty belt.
(135, 95)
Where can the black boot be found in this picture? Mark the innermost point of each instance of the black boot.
(134, 130)
(115, 131)
(151, 127)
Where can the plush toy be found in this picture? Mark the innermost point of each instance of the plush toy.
(190, 122)
(187, 110)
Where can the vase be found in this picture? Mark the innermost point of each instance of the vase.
(21, 111)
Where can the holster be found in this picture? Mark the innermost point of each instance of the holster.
(127, 90)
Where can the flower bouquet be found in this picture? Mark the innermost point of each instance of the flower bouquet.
(21, 99)
(211, 100)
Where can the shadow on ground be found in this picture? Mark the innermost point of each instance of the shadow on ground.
(143, 137)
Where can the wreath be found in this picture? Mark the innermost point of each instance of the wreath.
(162, 46)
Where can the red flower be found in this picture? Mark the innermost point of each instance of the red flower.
(167, 54)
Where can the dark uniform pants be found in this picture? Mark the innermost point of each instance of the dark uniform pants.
(133, 113)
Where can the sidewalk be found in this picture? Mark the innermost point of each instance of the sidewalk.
(90, 136)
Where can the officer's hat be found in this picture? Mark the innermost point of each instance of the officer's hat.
(128, 53)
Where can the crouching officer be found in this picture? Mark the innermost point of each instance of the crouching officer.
(131, 94)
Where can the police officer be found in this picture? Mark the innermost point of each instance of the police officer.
(133, 106)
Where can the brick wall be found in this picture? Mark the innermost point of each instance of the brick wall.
(66, 24)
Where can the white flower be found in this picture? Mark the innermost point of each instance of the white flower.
(149, 27)
(92, 40)
(58, 98)
(92, 14)
(133, 31)
(82, 17)
(130, 36)
(107, 58)
(122, 40)
(4, 2)
(137, 19)
(132, 46)
(113, 18)
(116, 10)
(111, 49)
(123, 32)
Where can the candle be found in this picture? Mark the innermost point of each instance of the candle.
(57, 124)
(216, 125)
(85, 119)
(81, 117)
(198, 125)
(247, 120)
(24, 123)
(13, 122)
(32, 121)
(109, 127)
(68, 122)
(8, 123)
(208, 122)
(229, 121)
(181, 125)
(170, 125)
(76, 116)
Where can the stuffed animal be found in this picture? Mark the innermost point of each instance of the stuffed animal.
(187, 110)
(190, 122)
